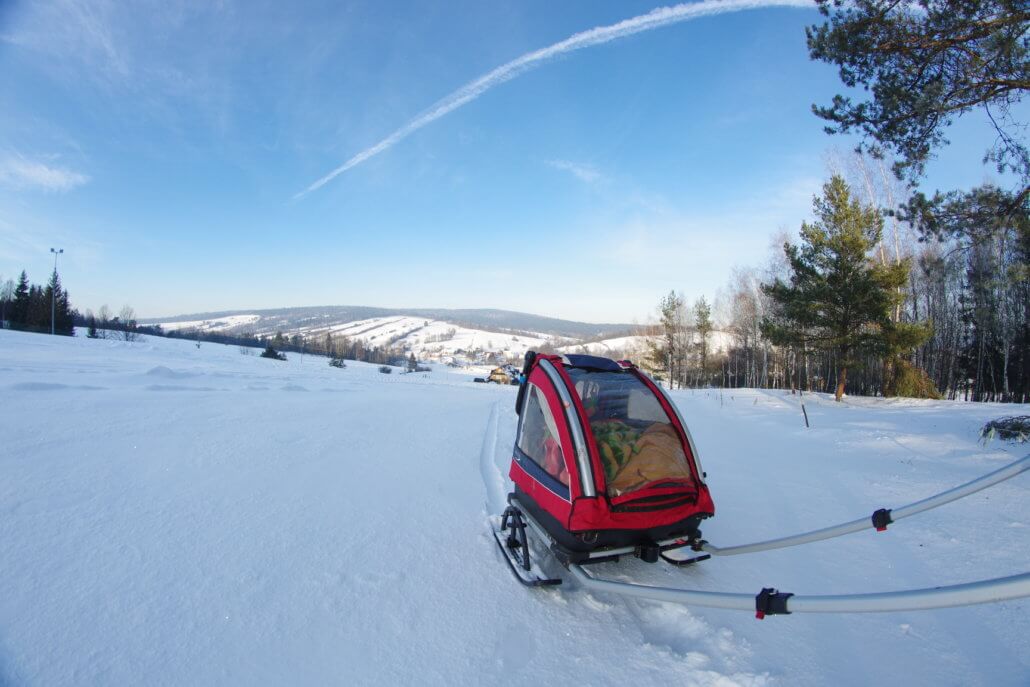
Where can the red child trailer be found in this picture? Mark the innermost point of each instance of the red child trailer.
(602, 462)
(604, 466)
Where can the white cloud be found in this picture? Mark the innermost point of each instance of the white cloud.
(695, 248)
(583, 172)
(74, 32)
(657, 18)
(18, 172)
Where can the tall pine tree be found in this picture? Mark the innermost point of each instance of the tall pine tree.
(20, 311)
(665, 353)
(703, 323)
(837, 299)
(64, 323)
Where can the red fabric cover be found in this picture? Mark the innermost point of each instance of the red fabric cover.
(594, 513)
(547, 499)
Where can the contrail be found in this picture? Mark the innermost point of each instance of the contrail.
(657, 18)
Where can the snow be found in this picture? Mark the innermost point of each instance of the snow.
(426, 338)
(213, 325)
(633, 346)
(636, 346)
(180, 515)
(429, 339)
(437, 340)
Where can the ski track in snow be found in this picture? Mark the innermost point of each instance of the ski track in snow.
(493, 473)
(667, 627)
(201, 517)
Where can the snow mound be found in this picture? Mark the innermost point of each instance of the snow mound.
(168, 373)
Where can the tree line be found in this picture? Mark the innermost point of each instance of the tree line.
(852, 308)
(36, 308)
(29, 307)
(892, 291)
(334, 347)
(105, 325)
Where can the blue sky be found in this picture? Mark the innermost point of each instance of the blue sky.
(163, 146)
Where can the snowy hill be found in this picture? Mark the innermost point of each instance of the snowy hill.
(289, 319)
(431, 334)
(429, 339)
(634, 347)
(179, 515)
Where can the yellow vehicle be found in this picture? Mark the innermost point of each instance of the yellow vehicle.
(499, 375)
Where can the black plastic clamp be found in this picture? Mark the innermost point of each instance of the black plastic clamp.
(881, 519)
(771, 602)
(648, 553)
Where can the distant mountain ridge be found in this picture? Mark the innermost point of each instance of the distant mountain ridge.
(489, 319)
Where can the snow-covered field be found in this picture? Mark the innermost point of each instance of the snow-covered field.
(193, 516)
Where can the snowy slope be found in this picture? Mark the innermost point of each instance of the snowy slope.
(428, 339)
(212, 325)
(180, 515)
(636, 346)
(432, 339)
(632, 346)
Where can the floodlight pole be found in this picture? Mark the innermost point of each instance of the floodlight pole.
(53, 291)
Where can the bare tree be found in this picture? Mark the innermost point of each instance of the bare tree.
(6, 296)
(104, 318)
(128, 320)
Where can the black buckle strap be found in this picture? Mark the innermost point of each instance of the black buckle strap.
(881, 519)
(771, 602)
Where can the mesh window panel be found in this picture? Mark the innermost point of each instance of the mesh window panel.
(539, 437)
(638, 444)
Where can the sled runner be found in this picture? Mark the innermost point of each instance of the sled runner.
(604, 467)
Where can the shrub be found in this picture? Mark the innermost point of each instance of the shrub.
(273, 354)
(385, 369)
(1015, 428)
(912, 382)
(337, 362)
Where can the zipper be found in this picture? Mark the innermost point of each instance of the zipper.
(653, 503)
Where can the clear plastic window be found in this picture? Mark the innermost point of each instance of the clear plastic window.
(539, 436)
(638, 444)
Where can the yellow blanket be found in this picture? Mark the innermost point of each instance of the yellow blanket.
(656, 455)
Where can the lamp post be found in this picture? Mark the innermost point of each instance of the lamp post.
(53, 290)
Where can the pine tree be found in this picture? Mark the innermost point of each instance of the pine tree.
(273, 354)
(412, 363)
(60, 309)
(92, 331)
(20, 311)
(666, 354)
(922, 65)
(65, 315)
(38, 318)
(703, 323)
(837, 299)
